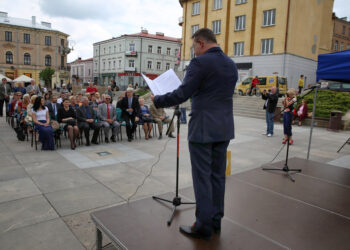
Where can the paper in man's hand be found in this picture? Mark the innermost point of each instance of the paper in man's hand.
(165, 83)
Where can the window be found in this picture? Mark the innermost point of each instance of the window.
(240, 1)
(168, 51)
(104, 65)
(8, 36)
(159, 65)
(26, 59)
(131, 63)
(149, 65)
(192, 53)
(240, 23)
(195, 28)
(217, 27)
(239, 49)
(113, 64)
(341, 46)
(167, 66)
(120, 47)
(89, 72)
(344, 29)
(159, 50)
(115, 48)
(96, 66)
(132, 46)
(336, 45)
(96, 52)
(119, 64)
(266, 46)
(26, 38)
(109, 65)
(196, 8)
(150, 48)
(47, 60)
(348, 47)
(9, 57)
(217, 4)
(269, 17)
(176, 52)
(48, 40)
(104, 51)
(109, 50)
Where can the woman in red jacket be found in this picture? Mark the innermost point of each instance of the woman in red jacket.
(301, 112)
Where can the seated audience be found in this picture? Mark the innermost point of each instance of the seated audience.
(73, 103)
(130, 110)
(145, 118)
(20, 88)
(159, 116)
(29, 117)
(67, 115)
(301, 112)
(53, 107)
(110, 92)
(87, 119)
(98, 99)
(62, 97)
(41, 121)
(91, 89)
(47, 98)
(108, 116)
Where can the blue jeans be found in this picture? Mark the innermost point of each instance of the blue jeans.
(269, 122)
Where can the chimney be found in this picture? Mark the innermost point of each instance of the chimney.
(159, 33)
(3, 14)
(144, 31)
(33, 20)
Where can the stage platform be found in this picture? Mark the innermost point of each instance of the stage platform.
(263, 210)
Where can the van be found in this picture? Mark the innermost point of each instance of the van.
(266, 83)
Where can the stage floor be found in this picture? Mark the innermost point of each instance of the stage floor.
(263, 210)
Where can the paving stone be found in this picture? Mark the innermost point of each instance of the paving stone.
(52, 166)
(24, 212)
(17, 189)
(13, 172)
(37, 156)
(53, 235)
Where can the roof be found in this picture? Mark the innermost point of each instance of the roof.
(14, 21)
(156, 36)
(79, 60)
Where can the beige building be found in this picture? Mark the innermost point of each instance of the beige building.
(281, 37)
(341, 34)
(27, 47)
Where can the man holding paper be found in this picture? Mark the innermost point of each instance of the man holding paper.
(210, 81)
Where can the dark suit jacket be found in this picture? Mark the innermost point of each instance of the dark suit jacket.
(124, 105)
(210, 80)
(81, 113)
(271, 103)
(50, 108)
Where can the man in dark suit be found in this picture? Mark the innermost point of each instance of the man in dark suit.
(53, 107)
(210, 80)
(87, 119)
(270, 106)
(131, 108)
(5, 91)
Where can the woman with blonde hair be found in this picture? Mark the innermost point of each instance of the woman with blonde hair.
(29, 118)
(288, 104)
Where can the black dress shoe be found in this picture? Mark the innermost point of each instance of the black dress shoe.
(106, 140)
(87, 143)
(113, 139)
(129, 139)
(160, 137)
(191, 231)
(94, 142)
(171, 135)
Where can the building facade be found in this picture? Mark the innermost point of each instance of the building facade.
(270, 37)
(124, 58)
(81, 71)
(341, 34)
(27, 47)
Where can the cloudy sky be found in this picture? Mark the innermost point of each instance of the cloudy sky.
(89, 21)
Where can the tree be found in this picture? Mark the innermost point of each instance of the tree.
(46, 75)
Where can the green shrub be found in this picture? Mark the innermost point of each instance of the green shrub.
(141, 91)
(328, 101)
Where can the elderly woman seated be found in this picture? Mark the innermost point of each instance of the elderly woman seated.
(67, 115)
(301, 112)
(145, 118)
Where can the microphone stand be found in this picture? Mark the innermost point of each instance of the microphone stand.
(176, 200)
(286, 169)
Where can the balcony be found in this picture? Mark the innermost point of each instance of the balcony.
(181, 20)
(130, 69)
(130, 53)
(64, 50)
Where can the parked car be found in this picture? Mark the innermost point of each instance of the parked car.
(266, 83)
(335, 85)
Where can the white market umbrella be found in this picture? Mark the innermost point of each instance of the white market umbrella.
(23, 78)
(8, 79)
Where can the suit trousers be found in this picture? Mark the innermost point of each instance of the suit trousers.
(160, 124)
(86, 127)
(130, 124)
(208, 162)
(6, 101)
(106, 126)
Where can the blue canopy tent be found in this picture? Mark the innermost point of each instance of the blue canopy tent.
(334, 66)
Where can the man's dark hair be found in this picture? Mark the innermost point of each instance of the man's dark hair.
(301, 75)
(204, 34)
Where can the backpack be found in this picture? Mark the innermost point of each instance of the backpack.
(20, 134)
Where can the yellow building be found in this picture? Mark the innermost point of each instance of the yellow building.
(264, 37)
(27, 47)
(341, 34)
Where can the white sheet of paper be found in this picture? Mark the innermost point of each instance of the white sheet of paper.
(165, 83)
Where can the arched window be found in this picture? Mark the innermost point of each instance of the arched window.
(27, 59)
(9, 57)
(48, 60)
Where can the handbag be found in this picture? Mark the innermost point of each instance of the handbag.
(54, 124)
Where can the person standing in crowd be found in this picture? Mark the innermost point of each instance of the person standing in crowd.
(41, 121)
(254, 83)
(130, 110)
(271, 100)
(67, 115)
(160, 117)
(109, 92)
(301, 84)
(5, 91)
(91, 89)
(64, 89)
(288, 104)
(210, 80)
(108, 116)
(69, 87)
(87, 119)
(33, 88)
(20, 88)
